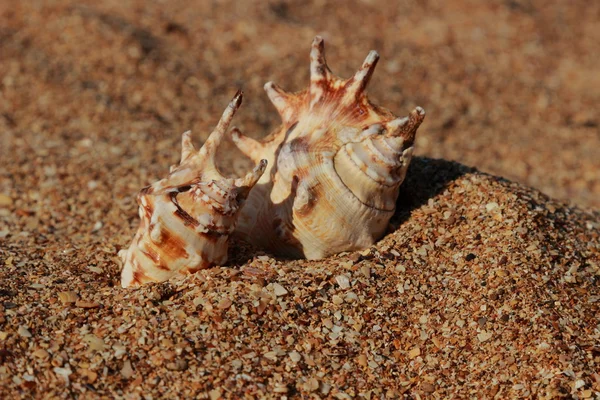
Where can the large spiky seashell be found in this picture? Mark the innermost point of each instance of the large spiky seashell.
(335, 166)
(186, 218)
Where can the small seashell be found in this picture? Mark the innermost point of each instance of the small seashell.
(225, 303)
(311, 384)
(186, 218)
(89, 374)
(343, 281)
(262, 306)
(484, 336)
(86, 304)
(37, 286)
(95, 343)
(362, 360)
(119, 350)
(280, 388)
(295, 356)
(178, 365)
(215, 394)
(63, 372)
(414, 353)
(337, 300)
(23, 331)
(5, 200)
(126, 370)
(68, 297)
(97, 226)
(41, 353)
(279, 290)
(97, 270)
(335, 166)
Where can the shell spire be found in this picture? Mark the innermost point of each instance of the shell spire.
(186, 218)
(335, 165)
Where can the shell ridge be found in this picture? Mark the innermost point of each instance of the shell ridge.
(359, 200)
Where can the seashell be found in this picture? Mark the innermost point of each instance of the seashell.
(68, 297)
(334, 166)
(186, 218)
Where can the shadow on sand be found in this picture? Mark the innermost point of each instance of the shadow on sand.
(425, 179)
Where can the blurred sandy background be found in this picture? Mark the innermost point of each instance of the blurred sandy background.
(87, 88)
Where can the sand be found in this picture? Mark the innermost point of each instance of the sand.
(484, 286)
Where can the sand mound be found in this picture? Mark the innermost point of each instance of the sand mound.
(483, 287)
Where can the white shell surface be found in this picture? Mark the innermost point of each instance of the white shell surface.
(335, 166)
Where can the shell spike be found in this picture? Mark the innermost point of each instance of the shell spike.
(406, 126)
(253, 176)
(358, 83)
(280, 99)
(217, 135)
(251, 148)
(395, 126)
(244, 185)
(187, 147)
(319, 70)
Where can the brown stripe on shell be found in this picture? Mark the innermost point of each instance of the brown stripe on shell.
(146, 190)
(220, 208)
(149, 207)
(172, 246)
(391, 169)
(353, 111)
(148, 211)
(152, 254)
(138, 275)
(187, 219)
